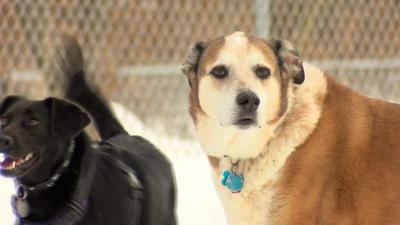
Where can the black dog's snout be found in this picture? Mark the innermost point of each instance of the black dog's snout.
(6, 142)
(248, 101)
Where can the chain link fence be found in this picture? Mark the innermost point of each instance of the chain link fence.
(134, 48)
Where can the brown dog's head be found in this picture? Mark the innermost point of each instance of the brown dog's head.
(240, 90)
(34, 135)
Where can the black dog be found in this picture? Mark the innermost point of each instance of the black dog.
(62, 179)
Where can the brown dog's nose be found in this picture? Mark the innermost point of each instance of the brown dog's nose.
(248, 101)
(6, 142)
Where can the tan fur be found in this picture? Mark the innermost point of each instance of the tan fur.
(348, 171)
(330, 157)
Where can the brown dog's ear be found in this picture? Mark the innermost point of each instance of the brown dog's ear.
(289, 60)
(8, 101)
(190, 66)
(66, 118)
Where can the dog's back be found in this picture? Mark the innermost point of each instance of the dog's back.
(348, 170)
(133, 152)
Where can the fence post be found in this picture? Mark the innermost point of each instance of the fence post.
(263, 18)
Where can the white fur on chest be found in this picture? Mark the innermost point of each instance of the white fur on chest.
(250, 207)
(253, 204)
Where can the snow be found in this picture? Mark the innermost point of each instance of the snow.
(198, 203)
(6, 190)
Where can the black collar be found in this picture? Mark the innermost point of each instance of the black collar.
(76, 208)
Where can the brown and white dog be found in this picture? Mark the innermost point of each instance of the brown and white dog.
(310, 150)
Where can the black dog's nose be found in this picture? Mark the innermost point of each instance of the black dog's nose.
(248, 101)
(6, 142)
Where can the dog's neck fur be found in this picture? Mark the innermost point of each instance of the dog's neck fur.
(43, 203)
(297, 124)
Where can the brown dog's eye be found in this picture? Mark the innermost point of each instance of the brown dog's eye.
(262, 72)
(32, 122)
(219, 72)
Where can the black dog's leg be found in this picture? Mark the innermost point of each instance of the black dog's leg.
(77, 90)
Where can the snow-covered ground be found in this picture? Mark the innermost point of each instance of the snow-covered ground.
(198, 203)
(6, 190)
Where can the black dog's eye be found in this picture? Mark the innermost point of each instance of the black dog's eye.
(262, 72)
(32, 122)
(219, 72)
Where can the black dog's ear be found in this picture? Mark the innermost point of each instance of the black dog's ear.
(191, 64)
(8, 101)
(66, 118)
(289, 60)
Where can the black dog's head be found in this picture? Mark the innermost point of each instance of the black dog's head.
(32, 134)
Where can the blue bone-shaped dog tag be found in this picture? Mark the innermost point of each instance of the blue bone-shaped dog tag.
(233, 182)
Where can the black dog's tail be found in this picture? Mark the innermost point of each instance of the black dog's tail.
(70, 64)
